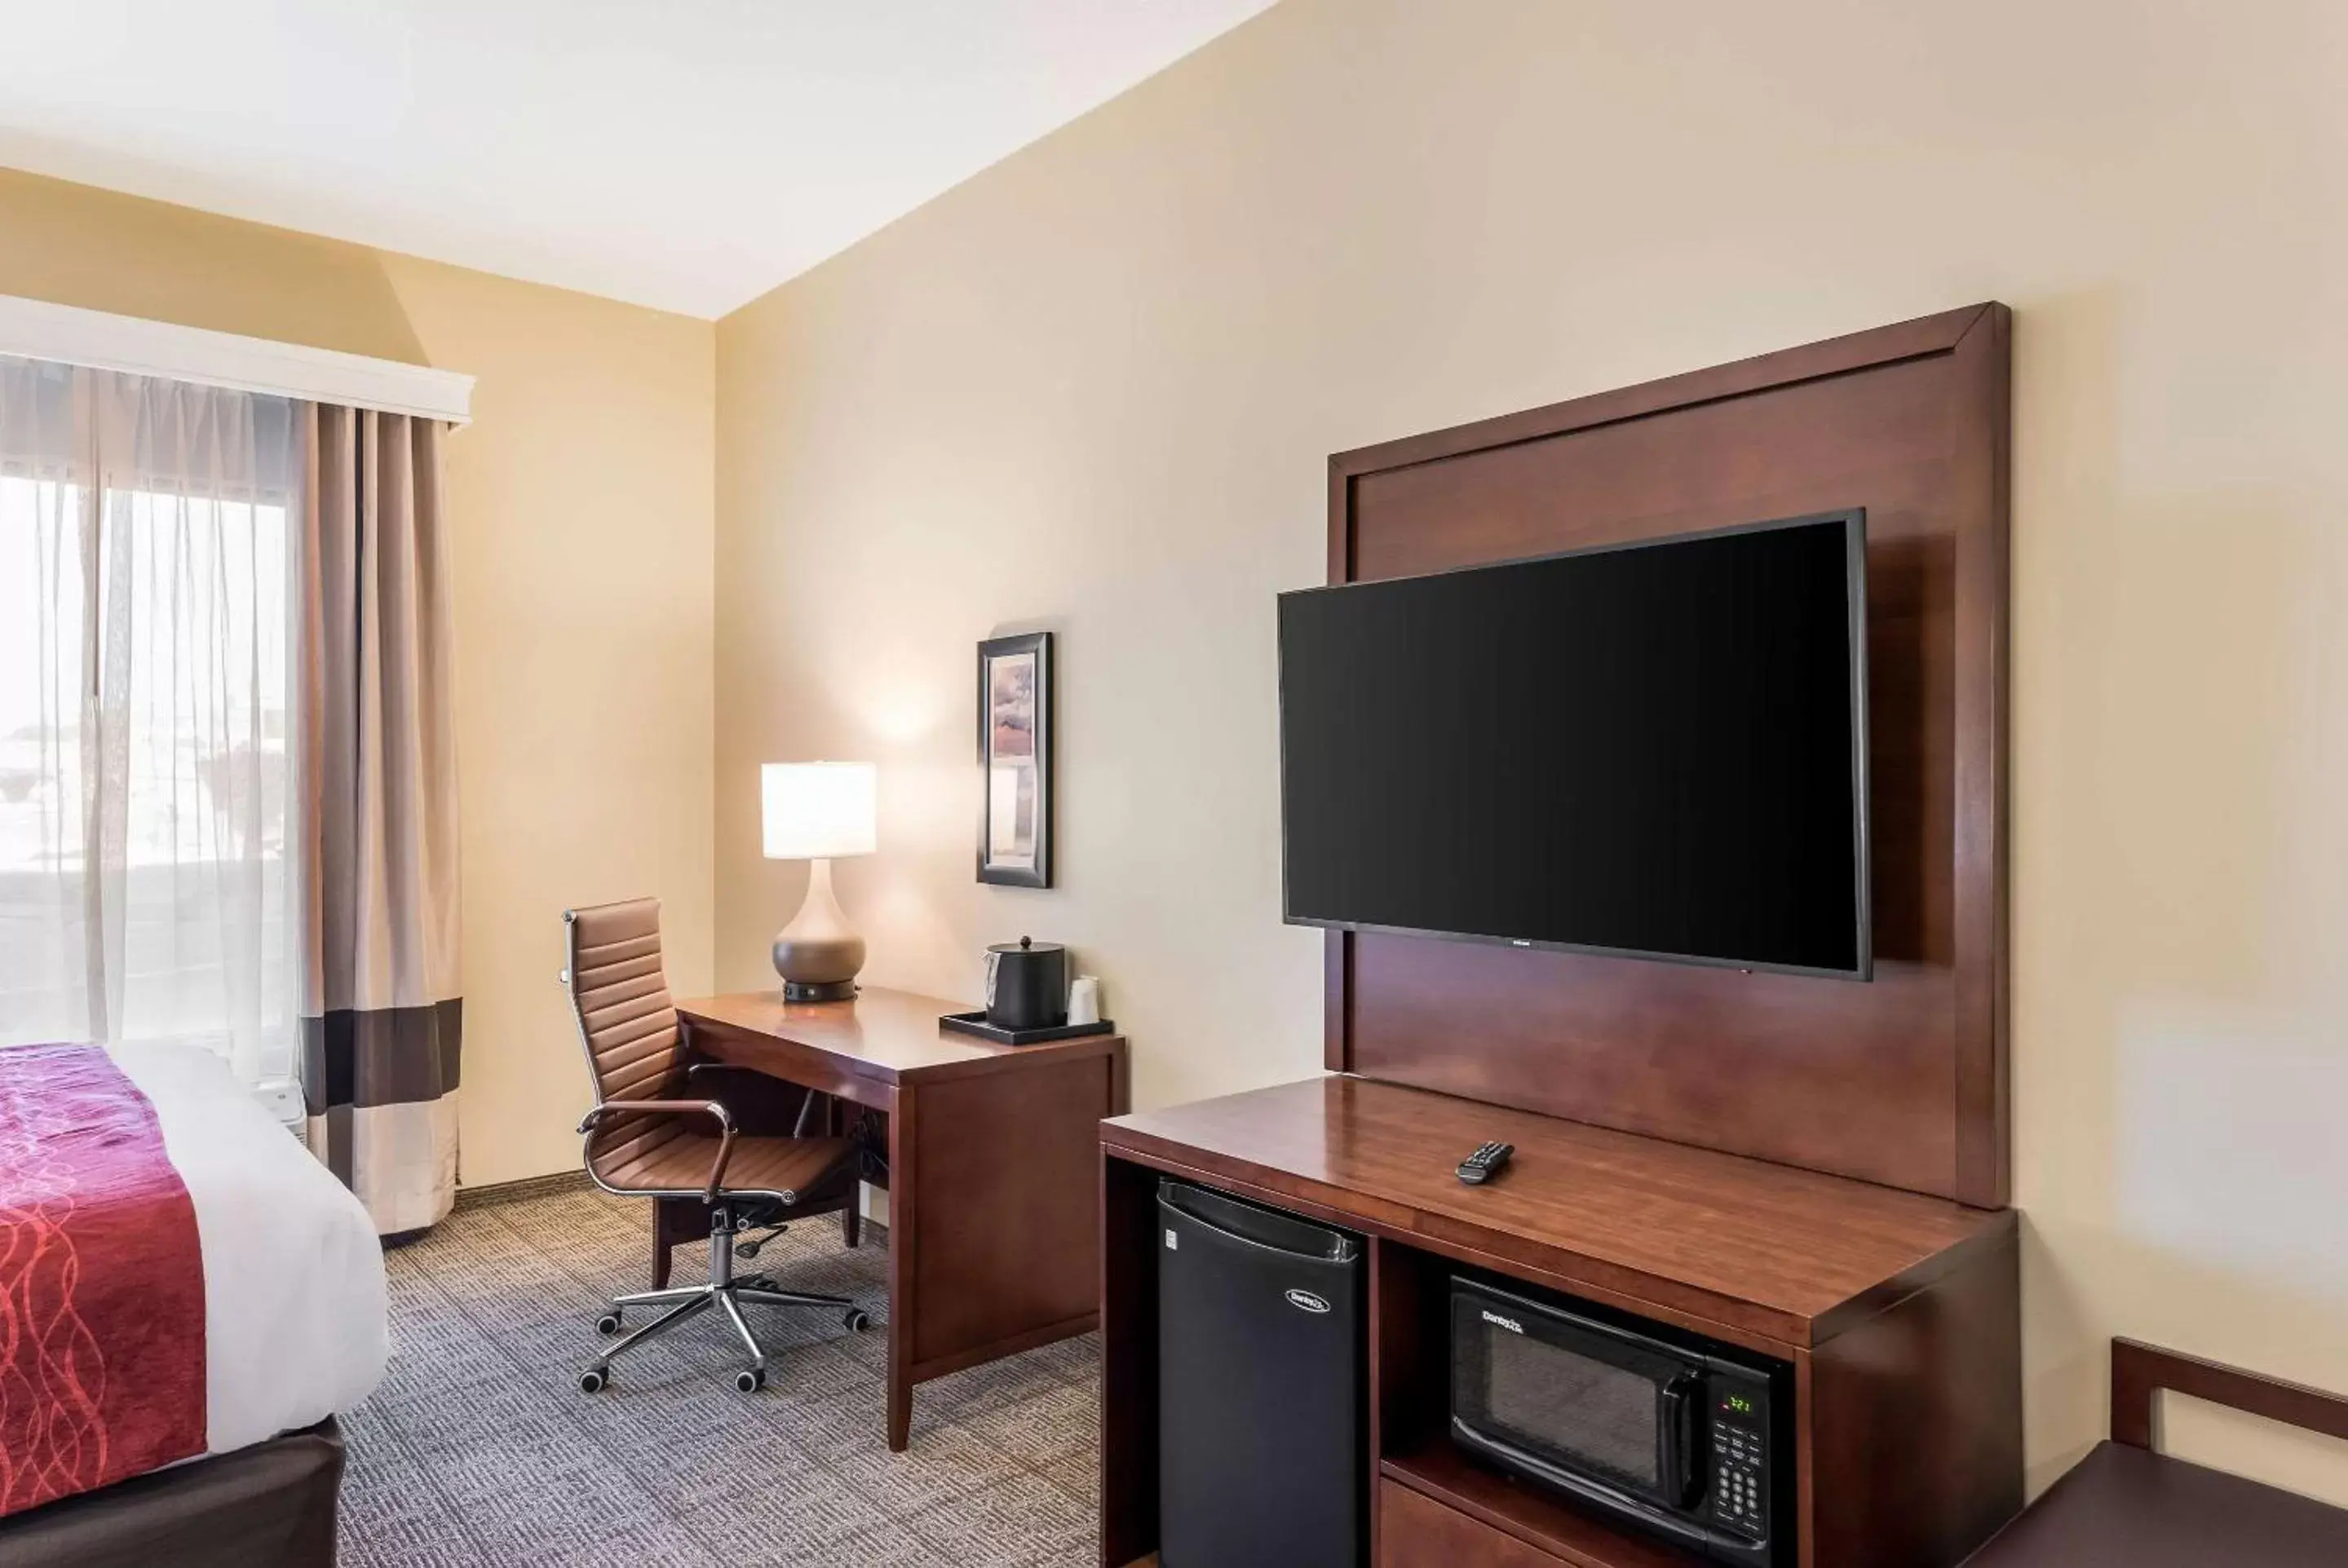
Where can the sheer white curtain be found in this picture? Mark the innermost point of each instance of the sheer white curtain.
(146, 883)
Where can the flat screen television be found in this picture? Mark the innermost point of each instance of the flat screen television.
(1654, 749)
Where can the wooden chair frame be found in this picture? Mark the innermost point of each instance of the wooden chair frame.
(2139, 1371)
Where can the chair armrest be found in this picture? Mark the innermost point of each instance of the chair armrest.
(694, 1070)
(668, 1107)
(761, 1087)
(610, 1108)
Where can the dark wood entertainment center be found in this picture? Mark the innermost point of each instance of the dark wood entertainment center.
(1813, 1169)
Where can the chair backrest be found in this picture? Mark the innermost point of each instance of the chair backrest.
(2139, 1371)
(626, 1023)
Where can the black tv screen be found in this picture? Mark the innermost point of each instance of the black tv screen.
(1656, 750)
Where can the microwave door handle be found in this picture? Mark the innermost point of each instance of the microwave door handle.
(1680, 1466)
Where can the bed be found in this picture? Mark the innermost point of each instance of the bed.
(186, 1299)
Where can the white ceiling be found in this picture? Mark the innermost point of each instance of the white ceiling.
(688, 154)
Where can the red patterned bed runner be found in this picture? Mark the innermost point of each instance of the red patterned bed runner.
(101, 1282)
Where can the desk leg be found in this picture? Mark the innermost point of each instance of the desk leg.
(903, 1220)
(675, 1220)
(838, 1121)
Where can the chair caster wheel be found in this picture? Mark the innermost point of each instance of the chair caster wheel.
(591, 1380)
(751, 1380)
(608, 1324)
(855, 1320)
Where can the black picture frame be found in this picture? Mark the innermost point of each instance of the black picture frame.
(1014, 812)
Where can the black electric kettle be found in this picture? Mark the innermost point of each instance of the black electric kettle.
(1027, 984)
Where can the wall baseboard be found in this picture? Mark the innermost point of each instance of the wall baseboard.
(517, 1191)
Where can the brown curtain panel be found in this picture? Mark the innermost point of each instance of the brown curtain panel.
(380, 1009)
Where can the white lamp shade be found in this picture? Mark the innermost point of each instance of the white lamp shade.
(817, 811)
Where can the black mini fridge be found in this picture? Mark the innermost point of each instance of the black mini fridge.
(1261, 1407)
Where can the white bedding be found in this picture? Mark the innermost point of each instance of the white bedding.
(294, 1317)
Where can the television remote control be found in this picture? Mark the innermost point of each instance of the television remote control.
(1485, 1164)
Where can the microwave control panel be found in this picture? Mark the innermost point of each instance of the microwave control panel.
(1740, 1457)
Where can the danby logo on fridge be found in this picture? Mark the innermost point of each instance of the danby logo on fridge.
(1510, 1324)
(1307, 1301)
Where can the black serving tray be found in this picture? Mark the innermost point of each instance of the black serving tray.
(976, 1023)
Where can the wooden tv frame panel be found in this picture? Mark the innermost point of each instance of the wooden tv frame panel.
(1706, 1147)
(1903, 1080)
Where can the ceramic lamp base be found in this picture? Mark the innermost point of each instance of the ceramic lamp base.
(818, 953)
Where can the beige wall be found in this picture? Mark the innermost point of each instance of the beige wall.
(1093, 388)
(582, 499)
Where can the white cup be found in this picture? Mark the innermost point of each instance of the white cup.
(1084, 1000)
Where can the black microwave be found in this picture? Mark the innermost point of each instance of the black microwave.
(1682, 1438)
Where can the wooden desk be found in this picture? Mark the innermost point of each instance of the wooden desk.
(993, 1177)
(1899, 1314)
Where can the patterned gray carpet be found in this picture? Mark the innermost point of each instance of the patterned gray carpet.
(480, 1449)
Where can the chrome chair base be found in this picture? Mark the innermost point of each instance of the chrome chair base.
(723, 1292)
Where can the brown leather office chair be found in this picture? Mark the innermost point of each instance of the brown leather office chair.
(649, 1138)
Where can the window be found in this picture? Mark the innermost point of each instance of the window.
(146, 567)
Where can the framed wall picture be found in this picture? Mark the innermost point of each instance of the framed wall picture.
(1015, 757)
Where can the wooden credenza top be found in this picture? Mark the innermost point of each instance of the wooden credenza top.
(889, 1036)
(1716, 1240)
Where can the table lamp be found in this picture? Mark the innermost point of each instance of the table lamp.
(818, 812)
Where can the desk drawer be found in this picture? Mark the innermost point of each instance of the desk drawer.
(1416, 1531)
